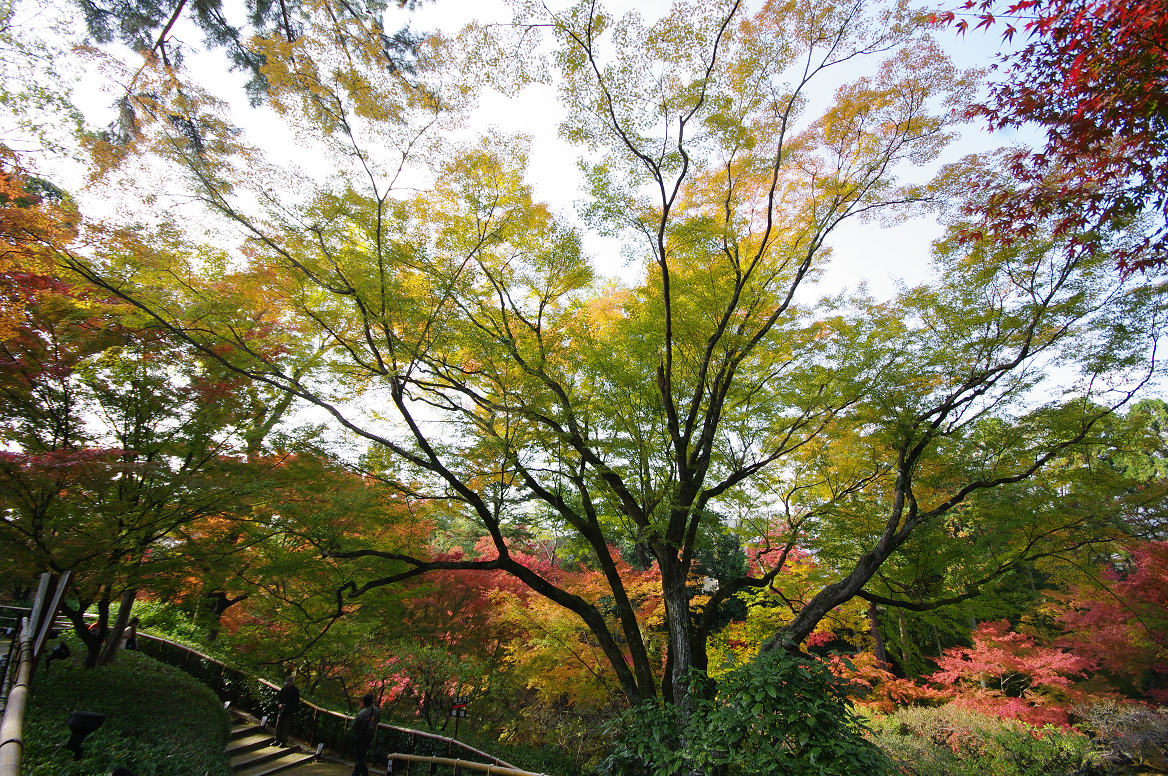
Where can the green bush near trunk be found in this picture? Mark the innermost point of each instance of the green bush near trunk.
(779, 715)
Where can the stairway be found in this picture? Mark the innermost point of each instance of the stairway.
(251, 752)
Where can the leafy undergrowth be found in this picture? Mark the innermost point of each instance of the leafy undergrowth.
(173, 624)
(159, 721)
(954, 741)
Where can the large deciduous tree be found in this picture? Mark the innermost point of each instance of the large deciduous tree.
(463, 334)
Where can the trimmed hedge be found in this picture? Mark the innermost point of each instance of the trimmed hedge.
(159, 721)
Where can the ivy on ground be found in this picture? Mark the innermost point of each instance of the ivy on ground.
(159, 721)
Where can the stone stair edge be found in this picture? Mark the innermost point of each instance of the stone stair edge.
(248, 744)
(266, 769)
(242, 760)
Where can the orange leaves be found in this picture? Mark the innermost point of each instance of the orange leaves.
(36, 220)
(871, 684)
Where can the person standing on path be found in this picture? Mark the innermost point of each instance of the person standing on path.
(287, 703)
(131, 635)
(362, 732)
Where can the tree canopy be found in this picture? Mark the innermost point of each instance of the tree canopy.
(462, 332)
(1091, 76)
(658, 483)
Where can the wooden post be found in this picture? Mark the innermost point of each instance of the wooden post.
(12, 746)
(38, 606)
(51, 614)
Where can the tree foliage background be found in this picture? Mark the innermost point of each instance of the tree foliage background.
(373, 374)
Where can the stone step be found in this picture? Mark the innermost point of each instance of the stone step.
(244, 729)
(287, 760)
(257, 756)
(250, 742)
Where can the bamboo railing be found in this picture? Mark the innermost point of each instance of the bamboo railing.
(12, 727)
(313, 723)
(392, 768)
(28, 639)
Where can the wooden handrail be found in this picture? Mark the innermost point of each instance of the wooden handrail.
(349, 718)
(490, 770)
(29, 638)
(11, 729)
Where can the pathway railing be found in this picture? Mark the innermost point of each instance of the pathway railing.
(16, 696)
(399, 765)
(10, 617)
(312, 723)
(27, 641)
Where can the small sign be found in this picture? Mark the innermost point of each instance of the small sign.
(458, 712)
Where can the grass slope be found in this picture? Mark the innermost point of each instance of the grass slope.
(159, 721)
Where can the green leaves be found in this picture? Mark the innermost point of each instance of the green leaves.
(782, 714)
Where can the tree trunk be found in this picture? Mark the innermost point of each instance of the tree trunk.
(905, 652)
(877, 639)
(114, 642)
(220, 603)
(91, 640)
(93, 646)
(680, 637)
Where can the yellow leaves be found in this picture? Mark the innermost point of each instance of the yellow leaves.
(891, 113)
(604, 312)
(333, 81)
(338, 65)
(559, 657)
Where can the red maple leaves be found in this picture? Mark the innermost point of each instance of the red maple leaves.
(1094, 74)
(1123, 623)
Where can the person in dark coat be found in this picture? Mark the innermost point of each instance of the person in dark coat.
(131, 641)
(287, 703)
(364, 724)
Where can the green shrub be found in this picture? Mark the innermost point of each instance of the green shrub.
(951, 741)
(779, 715)
(159, 721)
(168, 621)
